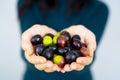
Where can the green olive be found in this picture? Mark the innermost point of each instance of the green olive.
(59, 60)
(55, 39)
(47, 40)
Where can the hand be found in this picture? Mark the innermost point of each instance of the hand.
(40, 62)
(88, 38)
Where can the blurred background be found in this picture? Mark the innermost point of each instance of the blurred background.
(12, 67)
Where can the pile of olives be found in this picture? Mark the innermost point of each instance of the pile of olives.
(61, 48)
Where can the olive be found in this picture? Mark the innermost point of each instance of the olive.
(37, 39)
(47, 40)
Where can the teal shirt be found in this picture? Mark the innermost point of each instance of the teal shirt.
(92, 16)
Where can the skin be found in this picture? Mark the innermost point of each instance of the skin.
(41, 63)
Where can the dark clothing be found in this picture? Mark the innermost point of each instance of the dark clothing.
(92, 16)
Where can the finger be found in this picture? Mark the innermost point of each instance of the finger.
(40, 66)
(38, 29)
(49, 64)
(52, 31)
(62, 70)
(73, 65)
(51, 69)
(67, 68)
(56, 68)
(84, 60)
(77, 29)
(27, 35)
(47, 67)
(26, 44)
(79, 67)
(76, 66)
(43, 29)
(48, 70)
(35, 59)
(90, 40)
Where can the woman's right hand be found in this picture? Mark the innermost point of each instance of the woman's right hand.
(40, 62)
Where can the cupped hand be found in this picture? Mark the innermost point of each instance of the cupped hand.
(89, 39)
(40, 62)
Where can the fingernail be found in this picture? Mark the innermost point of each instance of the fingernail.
(63, 71)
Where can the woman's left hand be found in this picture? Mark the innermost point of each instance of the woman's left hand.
(89, 39)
